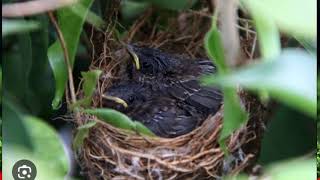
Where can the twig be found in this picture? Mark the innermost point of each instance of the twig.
(33, 7)
(66, 56)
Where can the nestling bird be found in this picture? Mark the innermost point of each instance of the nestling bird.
(163, 92)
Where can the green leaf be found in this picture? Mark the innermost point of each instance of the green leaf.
(47, 145)
(89, 85)
(18, 26)
(59, 71)
(234, 114)
(143, 129)
(70, 24)
(268, 34)
(292, 169)
(14, 130)
(14, 153)
(91, 17)
(119, 120)
(131, 9)
(41, 80)
(215, 50)
(290, 78)
(309, 45)
(295, 17)
(82, 133)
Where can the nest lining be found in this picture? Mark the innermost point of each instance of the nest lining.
(112, 153)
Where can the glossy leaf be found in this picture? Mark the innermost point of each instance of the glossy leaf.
(119, 120)
(71, 30)
(53, 152)
(18, 26)
(291, 79)
(82, 133)
(295, 17)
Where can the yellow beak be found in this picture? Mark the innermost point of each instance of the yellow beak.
(134, 56)
(116, 99)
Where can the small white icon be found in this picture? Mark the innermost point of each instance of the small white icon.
(24, 172)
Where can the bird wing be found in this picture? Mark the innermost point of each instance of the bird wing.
(166, 118)
(203, 98)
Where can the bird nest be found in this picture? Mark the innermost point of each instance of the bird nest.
(112, 153)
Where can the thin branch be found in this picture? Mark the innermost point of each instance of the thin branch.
(33, 7)
(66, 57)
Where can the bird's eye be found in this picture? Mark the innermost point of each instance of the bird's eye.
(131, 99)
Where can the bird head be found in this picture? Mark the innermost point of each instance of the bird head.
(124, 96)
(150, 61)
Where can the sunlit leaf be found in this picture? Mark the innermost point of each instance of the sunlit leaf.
(291, 79)
(292, 169)
(70, 24)
(82, 133)
(119, 120)
(18, 26)
(268, 34)
(90, 80)
(14, 153)
(295, 17)
(53, 152)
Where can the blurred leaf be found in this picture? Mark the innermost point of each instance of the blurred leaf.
(131, 9)
(89, 85)
(71, 30)
(291, 79)
(234, 115)
(291, 16)
(268, 34)
(14, 130)
(0, 84)
(174, 5)
(18, 26)
(82, 133)
(309, 45)
(91, 17)
(214, 48)
(143, 129)
(14, 153)
(41, 80)
(295, 169)
(47, 145)
(119, 120)
(18, 63)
